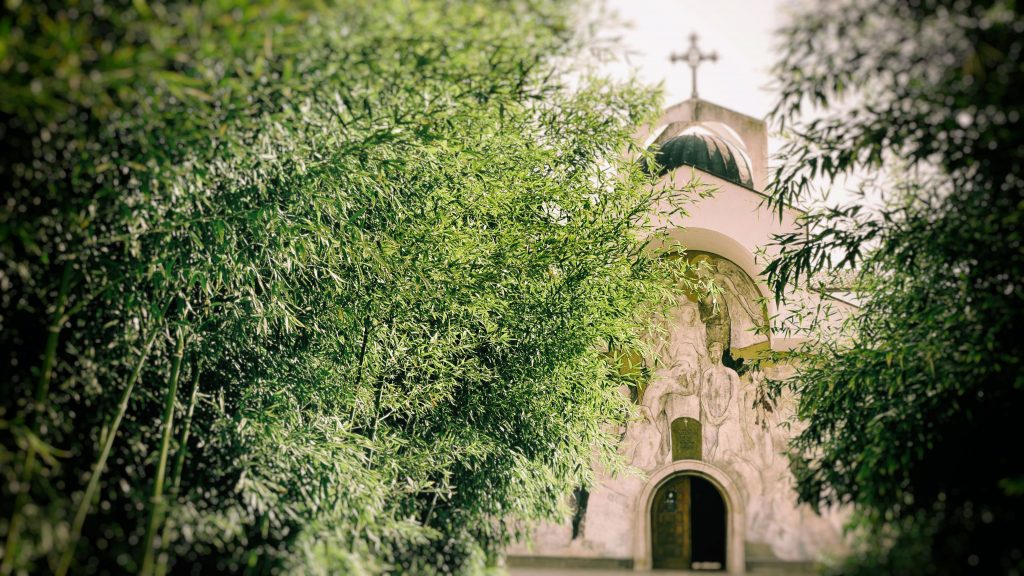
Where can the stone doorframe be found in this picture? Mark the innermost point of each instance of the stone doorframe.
(735, 560)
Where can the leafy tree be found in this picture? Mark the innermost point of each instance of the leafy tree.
(911, 412)
(305, 286)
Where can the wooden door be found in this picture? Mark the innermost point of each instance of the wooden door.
(672, 542)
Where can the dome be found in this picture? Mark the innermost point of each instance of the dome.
(706, 152)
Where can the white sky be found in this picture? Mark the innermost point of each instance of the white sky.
(740, 31)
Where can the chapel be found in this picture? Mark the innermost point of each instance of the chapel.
(712, 489)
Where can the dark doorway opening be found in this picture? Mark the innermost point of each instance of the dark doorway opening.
(708, 525)
(688, 525)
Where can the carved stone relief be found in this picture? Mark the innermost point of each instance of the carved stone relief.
(700, 374)
(718, 389)
(741, 318)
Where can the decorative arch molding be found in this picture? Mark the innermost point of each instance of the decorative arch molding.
(706, 240)
(714, 242)
(735, 559)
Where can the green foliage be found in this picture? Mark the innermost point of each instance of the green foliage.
(393, 240)
(910, 407)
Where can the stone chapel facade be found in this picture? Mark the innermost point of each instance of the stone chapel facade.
(714, 491)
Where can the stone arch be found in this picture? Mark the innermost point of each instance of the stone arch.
(696, 239)
(714, 242)
(735, 559)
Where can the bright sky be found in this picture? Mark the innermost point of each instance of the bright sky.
(740, 31)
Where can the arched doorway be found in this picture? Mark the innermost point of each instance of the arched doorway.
(735, 555)
(688, 525)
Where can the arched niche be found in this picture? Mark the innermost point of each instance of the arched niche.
(735, 561)
(696, 239)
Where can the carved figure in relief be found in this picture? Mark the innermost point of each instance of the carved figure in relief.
(714, 313)
(679, 353)
(672, 391)
(643, 441)
(666, 399)
(757, 437)
(747, 317)
(717, 389)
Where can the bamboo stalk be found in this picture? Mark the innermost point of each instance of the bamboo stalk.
(38, 408)
(157, 500)
(101, 462)
(179, 462)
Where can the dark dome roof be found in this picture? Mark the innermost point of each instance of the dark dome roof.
(705, 152)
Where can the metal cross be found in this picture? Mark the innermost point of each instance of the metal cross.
(693, 57)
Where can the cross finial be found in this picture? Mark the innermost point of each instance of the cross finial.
(693, 57)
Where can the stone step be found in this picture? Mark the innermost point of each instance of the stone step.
(760, 562)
